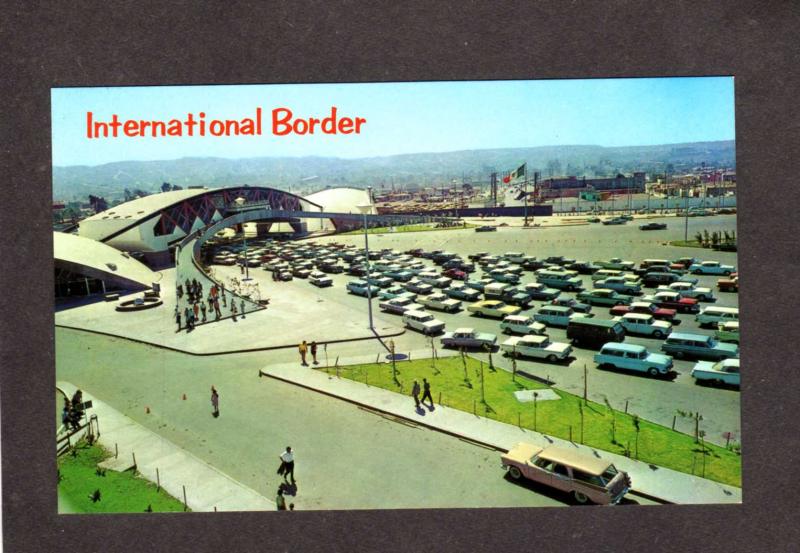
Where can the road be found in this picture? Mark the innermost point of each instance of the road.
(346, 457)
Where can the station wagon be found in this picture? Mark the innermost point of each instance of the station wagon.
(633, 357)
(700, 346)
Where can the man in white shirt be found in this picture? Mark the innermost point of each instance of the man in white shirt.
(287, 464)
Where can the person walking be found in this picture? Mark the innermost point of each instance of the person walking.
(217, 312)
(178, 317)
(303, 348)
(203, 310)
(287, 464)
(426, 391)
(233, 310)
(186, 312)
(415, 393)
(314, 352)
(196, 311)
(215, 401)
(280, 501)
(242, 304)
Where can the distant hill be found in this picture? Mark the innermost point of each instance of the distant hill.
(109, 180)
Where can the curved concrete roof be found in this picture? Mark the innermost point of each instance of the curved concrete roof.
(343, 200)
(99, 260)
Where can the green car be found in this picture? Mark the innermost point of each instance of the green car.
(604, 296)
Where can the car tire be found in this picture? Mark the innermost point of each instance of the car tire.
(702, 298)
(658, 334)
(580, 497)
(515, 473)
(620, 303)
(726, 273)
(679, 355)
(552, 358)
(652, 371)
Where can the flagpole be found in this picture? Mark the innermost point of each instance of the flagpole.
(525, 224)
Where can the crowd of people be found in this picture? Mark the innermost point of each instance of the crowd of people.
(200, 308)
(73, 411)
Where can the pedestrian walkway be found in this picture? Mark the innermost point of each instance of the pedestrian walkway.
(207, 489)
(659, 483)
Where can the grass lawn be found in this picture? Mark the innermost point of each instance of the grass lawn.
(409, 228)
(119, 492)
(560, 418)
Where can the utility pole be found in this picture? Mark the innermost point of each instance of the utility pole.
(525, 199)
(366, 258)
(535, 183)
(686, 215)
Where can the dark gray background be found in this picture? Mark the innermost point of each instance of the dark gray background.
(255, 42)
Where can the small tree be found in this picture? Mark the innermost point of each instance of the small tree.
(535, 396)
(580, 410)
(637, 428)
(613, 421)
(706, 238)
(697, 417)
(699, 238)
(714, 239)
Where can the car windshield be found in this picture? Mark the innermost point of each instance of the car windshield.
(426, 319)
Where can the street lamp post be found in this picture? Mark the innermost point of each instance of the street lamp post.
(366, 258)
(686, 215)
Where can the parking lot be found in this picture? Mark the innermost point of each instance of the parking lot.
(656, 399)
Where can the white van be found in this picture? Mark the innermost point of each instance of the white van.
(713, 315)
(423, 322)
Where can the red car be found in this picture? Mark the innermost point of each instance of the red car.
(455, 274)
(647, 308)
(673, 300)
(729, 284)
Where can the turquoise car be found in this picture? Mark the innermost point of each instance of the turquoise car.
(557, 315)
(632, 357)
(358, 287)
(698, 346)
(604, 296)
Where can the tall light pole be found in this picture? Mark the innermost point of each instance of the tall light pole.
(366, 257)
(686, 215)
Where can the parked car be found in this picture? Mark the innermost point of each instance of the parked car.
(320, 280)
(645, 325)
(504, 276)
(711, 268)
(485, 228)
(621, 285)
(423, 322)
(479, 285)
(648, 308)
(357, 270)
(440, 302)
(302, 272)
(632, 357)
(604, 296)
(557, 315)
(572, 303)
(700, 346)
(588, 478)
(358, 287)
(379, 281)
(685, 262)
(558, 260)
(615, 221)
(728, 332)
(562, 280)
(673, 300)
(536, 346)
(455, 274)
(493, 308)
(583, 267)
(711, 315)
(616, 263)
(463, 293)
(394, 292)
(399, 305)
(730, 284)
(653, 279)
(522, 324)
(468, 338)
(688, 290)
(418, 287)
(539, 291)
(593, 333)
(725, 371)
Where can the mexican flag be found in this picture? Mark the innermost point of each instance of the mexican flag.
(518, 173)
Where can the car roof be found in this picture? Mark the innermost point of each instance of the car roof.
(624, 347)
(464, 330)
(573, 458)
(687, 336)
(533, 338)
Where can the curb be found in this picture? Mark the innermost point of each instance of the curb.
(229, 352)
(415, 422)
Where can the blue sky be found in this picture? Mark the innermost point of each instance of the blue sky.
(404, 117)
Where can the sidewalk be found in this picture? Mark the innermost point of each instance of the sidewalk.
(207, 489)
(662, 484)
